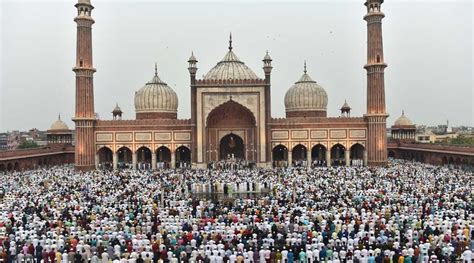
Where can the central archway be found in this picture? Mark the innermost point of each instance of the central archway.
(232, 147)
(231, 132)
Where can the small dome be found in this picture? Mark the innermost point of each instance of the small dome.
(345, 106)
(230, 67)
(192, 58)
(156, 97)
(117, 109)
(59, 125)
(403, 121)
(305, 96)
(267, 57)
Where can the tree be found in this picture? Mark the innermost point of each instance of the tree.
(462, 139)
(28, 145)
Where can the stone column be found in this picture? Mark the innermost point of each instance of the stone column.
(134, 160)
(365, 157)
(347, 157)
(153, 160)
(173, 160)
(115, 160)
(290, 159)
(328, 158)
(96, 161)
(308, 157)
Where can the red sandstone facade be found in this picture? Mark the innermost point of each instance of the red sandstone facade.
(230, 117)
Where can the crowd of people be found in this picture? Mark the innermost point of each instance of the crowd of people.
(406, 212)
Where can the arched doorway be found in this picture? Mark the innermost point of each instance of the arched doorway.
(143, 158)
(299, 155)
(391, 154)
(9, 167)
(458, 161)
(124, 158)
(318, 155)
(2, 167)
(232, 147)
(239, 125)
(337, 155)
(451, 161)
(357, 154)
(280, 156)
(16, 167)
(163, 157)
(105, 158)
(445, 160)
(183, 157)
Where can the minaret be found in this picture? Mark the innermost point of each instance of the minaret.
(85, 116)
(376, 115)
(192, 73)
(267, 68)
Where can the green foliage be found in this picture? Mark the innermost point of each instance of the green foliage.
(28, 145)
(462, 139)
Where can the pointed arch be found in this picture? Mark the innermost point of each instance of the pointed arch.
(105, 157)
(280, 155)
(337, 154)
(144, 157)
(318, 155)
(163, 156)
(233, 146)
(183, 157)
(230, 113)
(124, 155)
(299, 154)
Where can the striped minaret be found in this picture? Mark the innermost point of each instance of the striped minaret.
(85, 116)
(376, 115)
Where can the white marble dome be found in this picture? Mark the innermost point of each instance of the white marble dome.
(306, 95)
(403, 120)
(59, 125)
(156, 97)
(230, 68)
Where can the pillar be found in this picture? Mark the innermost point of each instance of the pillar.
(153, 160)
(84, 117)
(134, 160)
(308, 157)
(96, 161)
(347, 157)
(290, 162)
(376, 115)
(173, 160)
(328, 158)
(365, 157)
(115, 160)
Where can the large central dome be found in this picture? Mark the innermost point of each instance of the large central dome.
(230, 68)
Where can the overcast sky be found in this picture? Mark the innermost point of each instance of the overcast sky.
(428, 47)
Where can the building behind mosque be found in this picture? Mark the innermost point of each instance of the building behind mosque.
(230, 115)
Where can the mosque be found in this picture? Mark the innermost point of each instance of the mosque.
(230, 115)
